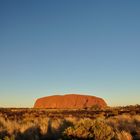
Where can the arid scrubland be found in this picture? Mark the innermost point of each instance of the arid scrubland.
(122, 123)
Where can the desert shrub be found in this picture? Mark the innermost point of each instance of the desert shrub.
(115, 112)
(30, 124)
(56, 128)
(3, 134)
(133, 112)
(9, 138)
(123, 135)
(126, 125)
(95, 107)
(90, 129)
(72, 120)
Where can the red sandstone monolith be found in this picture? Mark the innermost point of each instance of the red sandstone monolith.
(69, 101)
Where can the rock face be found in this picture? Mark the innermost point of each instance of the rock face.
(69, 101)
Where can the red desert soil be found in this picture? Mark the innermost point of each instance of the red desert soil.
(69, 101)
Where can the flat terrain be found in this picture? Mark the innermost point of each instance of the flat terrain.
(117, 123)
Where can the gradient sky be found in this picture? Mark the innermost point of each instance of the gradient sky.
(52, 47)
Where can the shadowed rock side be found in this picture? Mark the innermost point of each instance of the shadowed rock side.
(71, 101)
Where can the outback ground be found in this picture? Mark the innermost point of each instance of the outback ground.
(111, 123)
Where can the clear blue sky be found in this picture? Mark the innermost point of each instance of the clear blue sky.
(52, 47)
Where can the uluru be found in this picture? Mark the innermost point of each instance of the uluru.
(69, 101)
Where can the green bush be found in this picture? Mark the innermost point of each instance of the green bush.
(90, 129)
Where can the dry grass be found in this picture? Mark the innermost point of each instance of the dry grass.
(37, 125)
